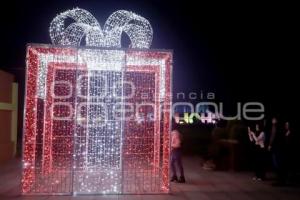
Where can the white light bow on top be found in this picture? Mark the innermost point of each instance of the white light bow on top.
(85, 26)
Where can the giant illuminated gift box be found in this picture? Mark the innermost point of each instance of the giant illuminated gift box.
(97, 120)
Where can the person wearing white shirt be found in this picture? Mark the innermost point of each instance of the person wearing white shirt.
(258, 138)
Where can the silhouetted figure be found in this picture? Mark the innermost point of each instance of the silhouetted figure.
(176, 141)
(258, 138)
(276, 146)
(289, 151)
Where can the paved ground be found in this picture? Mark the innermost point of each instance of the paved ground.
(201, 185)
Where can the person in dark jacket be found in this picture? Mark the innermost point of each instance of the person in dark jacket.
(276, 147)
(290, 144)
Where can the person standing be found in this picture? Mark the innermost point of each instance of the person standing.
(258, 138)
(289, 151)
(276, 147)
(176, 159)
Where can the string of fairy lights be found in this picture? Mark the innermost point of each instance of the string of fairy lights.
(94, 119)
(86, 26)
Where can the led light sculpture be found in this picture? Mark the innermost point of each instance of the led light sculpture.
(97, 118)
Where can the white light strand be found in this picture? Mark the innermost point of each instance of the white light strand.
(82, 143)
(85, 25)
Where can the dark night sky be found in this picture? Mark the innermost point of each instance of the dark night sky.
(242, 52)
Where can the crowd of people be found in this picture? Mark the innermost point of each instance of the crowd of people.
(277, 142)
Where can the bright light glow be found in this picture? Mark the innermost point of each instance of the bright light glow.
(97, 121)
(85, 25)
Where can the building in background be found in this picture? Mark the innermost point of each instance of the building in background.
(8, 116)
